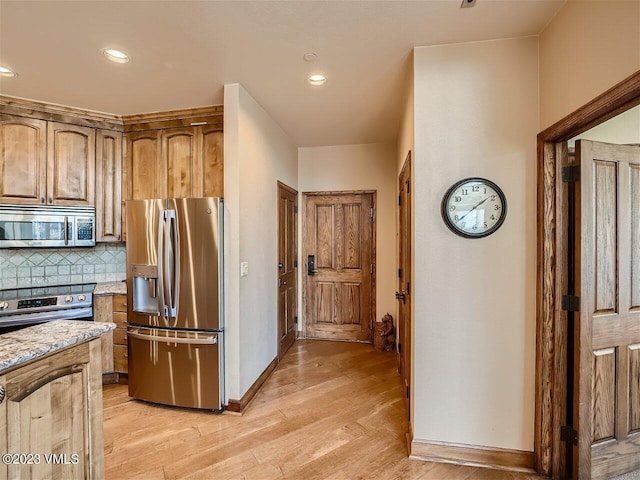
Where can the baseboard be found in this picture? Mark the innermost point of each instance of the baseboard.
(239, 406)
(115, 377)
(472, 455)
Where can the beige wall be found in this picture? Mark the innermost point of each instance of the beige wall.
(359, 167)
(586, 49)
(257, 154)
(476, 110)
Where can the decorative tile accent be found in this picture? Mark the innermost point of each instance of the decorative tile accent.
(30, 267)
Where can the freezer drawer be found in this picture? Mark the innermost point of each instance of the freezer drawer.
(176, 367)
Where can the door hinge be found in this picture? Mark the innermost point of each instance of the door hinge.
(400, 200)
(408, 187)
(568, 435)
(408, 288)
(571, 174)
(570, 303)
(295, 209)
(399, 348)
(399, 273)
(408, 391)
(371, 269)
(295, 264)
(371, 212)
(295, 319)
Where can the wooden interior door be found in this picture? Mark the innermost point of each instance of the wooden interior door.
(607, 360)
(339, 237)
(404, 277)
(287, 267)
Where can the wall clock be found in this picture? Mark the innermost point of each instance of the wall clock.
(474, 207)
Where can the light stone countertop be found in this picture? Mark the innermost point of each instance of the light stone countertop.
(21, 346)
(111, 288)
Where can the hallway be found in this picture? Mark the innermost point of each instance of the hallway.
(330, 410)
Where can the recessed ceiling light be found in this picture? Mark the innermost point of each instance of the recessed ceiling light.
(5, 72)
(309, 57)
(115, 55)
(316, 80)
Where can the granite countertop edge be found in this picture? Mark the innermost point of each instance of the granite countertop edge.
(111, 288)
(22, 346)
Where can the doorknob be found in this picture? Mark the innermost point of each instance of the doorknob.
(280, 265)
(281, 282)
(401, 296)
(311, 265)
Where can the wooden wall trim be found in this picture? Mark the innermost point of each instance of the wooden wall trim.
(472, 455)
(617, 99)
(239, 406)
(59, 113)
(551, 335)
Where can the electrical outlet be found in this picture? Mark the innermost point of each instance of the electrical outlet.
(244, 269)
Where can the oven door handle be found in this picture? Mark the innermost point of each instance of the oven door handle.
(41, 317)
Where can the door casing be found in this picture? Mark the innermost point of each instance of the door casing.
(551, 336)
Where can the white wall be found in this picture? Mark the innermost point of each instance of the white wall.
(257, 154)
(588, 47)
(476, 114)
(359, 167)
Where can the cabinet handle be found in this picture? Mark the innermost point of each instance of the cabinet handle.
(50, 200)
(2, 393)
(125, 355)
(41, 199)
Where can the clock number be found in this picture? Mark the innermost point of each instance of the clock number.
(475, 227)
(457, 217)
(465, 191)
(496, 207)
(493, 217)
(452, 208)
(475, 188)
(457, 199)
(493, 198)
(485, 224)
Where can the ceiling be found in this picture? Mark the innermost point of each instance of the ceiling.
(183, 52)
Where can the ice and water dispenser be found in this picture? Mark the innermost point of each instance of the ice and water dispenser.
(145, 289)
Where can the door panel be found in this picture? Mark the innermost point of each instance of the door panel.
(179, 154)
(72, 161)
(287, 267)
(198, 251)
(404, 277)
(23, 162)
(145, 172)
(608, 381)
(339, 293)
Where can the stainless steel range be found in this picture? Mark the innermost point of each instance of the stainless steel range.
(28, 306)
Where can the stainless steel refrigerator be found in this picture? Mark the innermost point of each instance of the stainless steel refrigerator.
(175, 301)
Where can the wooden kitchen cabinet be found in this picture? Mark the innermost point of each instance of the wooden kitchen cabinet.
(142, 165)
(108, 186)
(23, 160)
(113, 308)
(53, 405)
(71, 160)
(46, 162)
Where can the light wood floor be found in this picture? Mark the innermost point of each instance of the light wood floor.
(330, 410)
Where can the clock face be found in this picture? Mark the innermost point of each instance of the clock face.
(474, 207)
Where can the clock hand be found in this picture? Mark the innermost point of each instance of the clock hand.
(473, 208)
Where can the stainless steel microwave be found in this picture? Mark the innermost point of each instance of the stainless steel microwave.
(50, 226)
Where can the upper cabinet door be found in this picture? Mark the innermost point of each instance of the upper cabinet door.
(108, 186)
(23, 172)
(144, 171)
(212, 164)
(71, 164)
(179, 154)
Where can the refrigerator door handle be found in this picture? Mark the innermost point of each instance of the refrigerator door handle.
(175, 242)
(169, 258)
(162, 308)
(192, 341)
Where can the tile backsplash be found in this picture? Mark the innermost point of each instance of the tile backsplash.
(31, 267)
